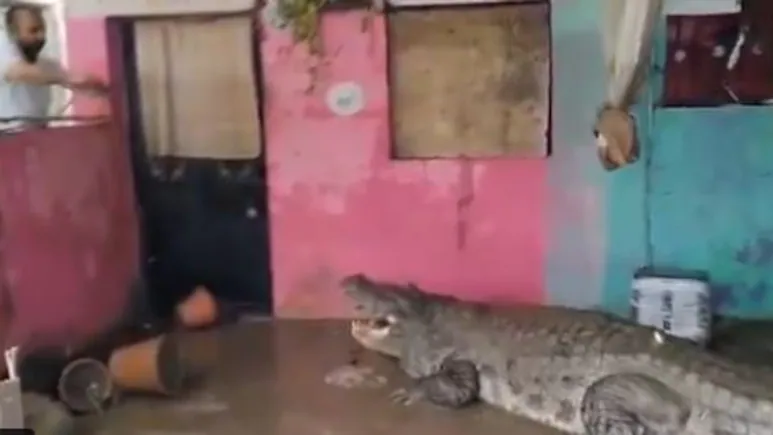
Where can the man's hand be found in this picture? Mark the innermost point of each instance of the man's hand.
(88, 83)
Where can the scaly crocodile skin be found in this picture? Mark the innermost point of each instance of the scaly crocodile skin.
(582, 372)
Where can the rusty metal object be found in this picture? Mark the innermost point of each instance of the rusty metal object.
(85, 386)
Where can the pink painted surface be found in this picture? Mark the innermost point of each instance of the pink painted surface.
(339, 205)
(87, 45)
(68, 233)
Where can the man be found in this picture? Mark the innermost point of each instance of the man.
(26, 77)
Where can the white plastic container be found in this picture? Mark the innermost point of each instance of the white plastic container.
(11, 412)
(677, 302)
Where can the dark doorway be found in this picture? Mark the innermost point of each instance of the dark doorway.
(204, 222)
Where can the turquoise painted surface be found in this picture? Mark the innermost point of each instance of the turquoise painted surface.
(699, 199)
(629, 230)
(575, 233)
(711, 204)
(627, 246)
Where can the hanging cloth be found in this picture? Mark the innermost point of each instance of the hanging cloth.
(197, 86)
(627, 36)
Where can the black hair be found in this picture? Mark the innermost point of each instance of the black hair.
(13, 11)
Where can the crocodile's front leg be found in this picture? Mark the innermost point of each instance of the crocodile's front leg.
(454, 385)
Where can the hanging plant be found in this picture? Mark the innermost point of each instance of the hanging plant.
(303, 18)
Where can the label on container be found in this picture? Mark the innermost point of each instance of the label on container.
(679, 307)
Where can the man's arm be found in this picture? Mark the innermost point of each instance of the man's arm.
(47, 72)
(40, 73)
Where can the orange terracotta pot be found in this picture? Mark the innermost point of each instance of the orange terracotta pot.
(199, 351)
(151, 366)
(198, 310)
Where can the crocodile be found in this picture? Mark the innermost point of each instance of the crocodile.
(578, 371)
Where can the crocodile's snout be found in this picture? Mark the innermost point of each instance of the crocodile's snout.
(352, 282)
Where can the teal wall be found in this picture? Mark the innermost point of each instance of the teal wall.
(711, 200)
(701, 198)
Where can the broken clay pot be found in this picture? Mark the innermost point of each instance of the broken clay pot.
(198, 310)
(151, 366)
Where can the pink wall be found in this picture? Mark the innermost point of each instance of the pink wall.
(68, 233)
(88, 53)
(339, 205)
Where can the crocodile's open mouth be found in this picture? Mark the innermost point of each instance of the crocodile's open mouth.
(376, 334)
(378, 325)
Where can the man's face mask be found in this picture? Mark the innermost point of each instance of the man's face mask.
(31, 50)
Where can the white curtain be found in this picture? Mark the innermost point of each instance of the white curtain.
(628, 29)
(198, 89)
(627, 37)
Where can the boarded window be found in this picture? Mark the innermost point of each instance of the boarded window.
(699, 49)
(470, 81)
(197, 88)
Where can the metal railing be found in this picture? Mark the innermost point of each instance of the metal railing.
(16, 125)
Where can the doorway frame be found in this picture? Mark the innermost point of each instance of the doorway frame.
(125, 102)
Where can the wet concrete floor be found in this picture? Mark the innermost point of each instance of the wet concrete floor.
(270, 379)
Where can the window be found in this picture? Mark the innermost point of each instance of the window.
(470, 81)
(719, 59)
